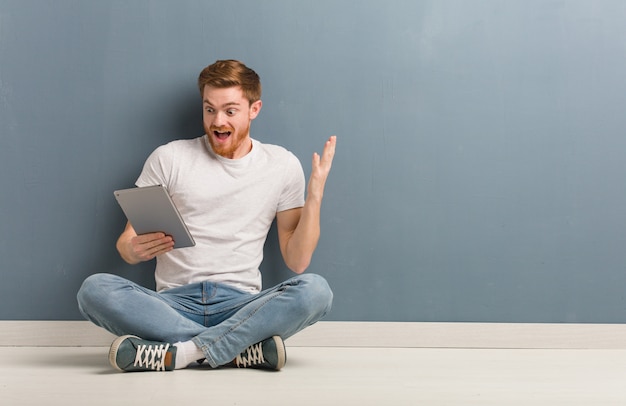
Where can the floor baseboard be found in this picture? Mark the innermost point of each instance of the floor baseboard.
(359, 334)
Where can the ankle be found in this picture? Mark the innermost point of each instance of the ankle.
(187, 353)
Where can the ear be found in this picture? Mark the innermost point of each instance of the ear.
(255, 109)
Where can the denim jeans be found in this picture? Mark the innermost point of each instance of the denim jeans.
(221, 320)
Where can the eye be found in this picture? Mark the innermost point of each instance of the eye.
(231, 112)
(210, 110)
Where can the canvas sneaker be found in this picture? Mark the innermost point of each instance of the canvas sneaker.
(268, 354)
(132, 354)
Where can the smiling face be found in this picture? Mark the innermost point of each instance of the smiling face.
(226, 117)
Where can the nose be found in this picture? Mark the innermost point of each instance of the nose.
(219, 120)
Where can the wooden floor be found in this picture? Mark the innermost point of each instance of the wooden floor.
(325, 376)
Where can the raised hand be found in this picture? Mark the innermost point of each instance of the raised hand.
(321, 168)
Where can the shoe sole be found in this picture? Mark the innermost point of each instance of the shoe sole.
(114, 348)
(282, 354)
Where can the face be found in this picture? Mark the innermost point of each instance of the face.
(227, 116)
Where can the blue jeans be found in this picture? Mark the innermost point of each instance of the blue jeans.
(221, 320)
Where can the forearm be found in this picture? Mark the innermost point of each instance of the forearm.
(299, 229)
(124, 248)
(304, 239)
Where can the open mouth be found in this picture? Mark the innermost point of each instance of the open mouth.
(221, 135)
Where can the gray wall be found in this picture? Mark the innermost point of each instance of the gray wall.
(480, 166)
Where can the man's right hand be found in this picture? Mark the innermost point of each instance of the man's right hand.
(139, 248)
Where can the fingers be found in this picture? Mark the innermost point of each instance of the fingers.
(329, 150)
(316, 159)
(147, 246)
(325, 161)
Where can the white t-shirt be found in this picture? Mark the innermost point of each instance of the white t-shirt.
(228, 205)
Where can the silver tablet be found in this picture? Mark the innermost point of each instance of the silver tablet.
(150, 209)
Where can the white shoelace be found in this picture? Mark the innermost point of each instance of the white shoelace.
(253, 355)
(151, 356)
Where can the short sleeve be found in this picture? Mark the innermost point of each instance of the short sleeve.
(292, 195)
(156, 169)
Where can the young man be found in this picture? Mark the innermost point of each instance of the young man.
(228, 188)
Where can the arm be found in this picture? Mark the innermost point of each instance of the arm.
(299, 229)
(135, 248)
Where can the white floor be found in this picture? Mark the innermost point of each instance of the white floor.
(325, 376)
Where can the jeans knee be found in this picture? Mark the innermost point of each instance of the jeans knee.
(318, 294)
(93, 291)
(90, 284)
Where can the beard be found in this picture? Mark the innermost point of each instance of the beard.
(233, 143)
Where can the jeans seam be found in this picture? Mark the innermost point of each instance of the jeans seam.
(176, 306)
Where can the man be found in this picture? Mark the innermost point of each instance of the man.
(228, 188)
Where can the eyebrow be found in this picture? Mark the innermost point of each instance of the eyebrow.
(229, 104)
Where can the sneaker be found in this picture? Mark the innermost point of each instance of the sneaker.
(132, 354)
(268, 354)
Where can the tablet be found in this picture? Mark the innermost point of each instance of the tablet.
(150, 209)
